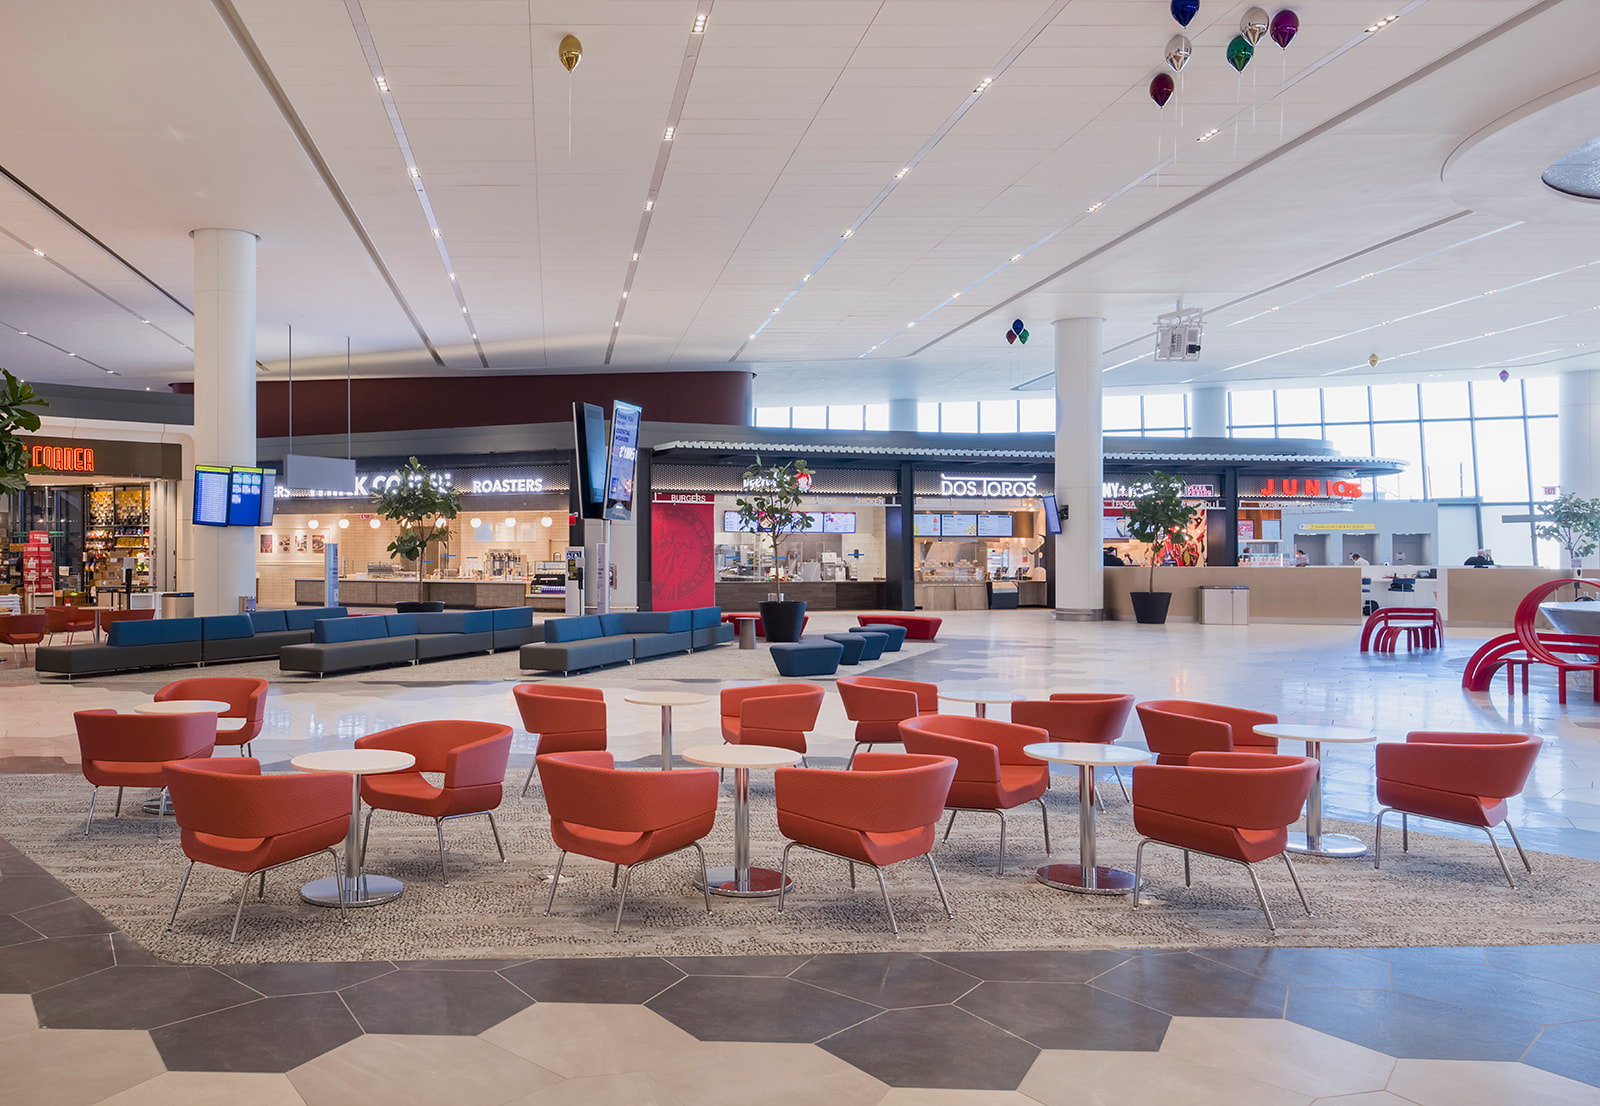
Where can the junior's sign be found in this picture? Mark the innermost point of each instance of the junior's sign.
(1305, 487)
(989, 486)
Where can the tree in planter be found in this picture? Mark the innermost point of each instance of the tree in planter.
(16, 398)
(771, 505)
(1573, 522)
(417, 504)
(1159, 516)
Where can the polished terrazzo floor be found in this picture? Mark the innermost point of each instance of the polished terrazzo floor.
(87, 1016)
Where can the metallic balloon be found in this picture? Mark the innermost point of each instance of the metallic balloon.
(1240, 52)
(1183, 11)
(571, 52)
(1504, 376)
(1161, 87)
(1178, 50)
(1011, 337)
(1016, 325)
(1285, 25)
(1253, 25)
(1373, 360)
(1023, 336)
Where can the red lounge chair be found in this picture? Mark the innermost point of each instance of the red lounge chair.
(242, 722)
(1174, 729)
(23, 630)
(128, 750)
(563, 719)
(1085, 717)
(771, 714)
(878, 705)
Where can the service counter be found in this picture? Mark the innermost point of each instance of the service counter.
(950, 595)
(1319, 594)
(841, 595)
(371, 591)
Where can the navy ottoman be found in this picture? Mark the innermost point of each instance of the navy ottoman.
(874, 644)
(807, 658)
(897, 634)
(854, 647)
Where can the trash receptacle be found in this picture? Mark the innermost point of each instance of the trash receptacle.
(177, 604)
(1225, 606)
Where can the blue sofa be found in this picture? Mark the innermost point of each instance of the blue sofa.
(590, 641)
(373, 641)
(164, 642)
(708, 629)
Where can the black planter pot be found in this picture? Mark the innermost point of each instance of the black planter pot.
(419, 606)
(781, 618)
(1150, 606)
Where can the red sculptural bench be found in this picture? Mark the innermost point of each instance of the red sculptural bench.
(1526, 646)
(761, 631)
(918, 627)
(1422, 626)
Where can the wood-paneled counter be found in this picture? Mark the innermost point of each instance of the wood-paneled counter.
(842, 595)
(939, 595)
(365, 591)
(1317, 594)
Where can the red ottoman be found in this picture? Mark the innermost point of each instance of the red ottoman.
(918, 627)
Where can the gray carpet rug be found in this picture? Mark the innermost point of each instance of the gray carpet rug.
(1444, 891)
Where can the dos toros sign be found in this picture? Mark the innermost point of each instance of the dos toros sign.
(989, 486)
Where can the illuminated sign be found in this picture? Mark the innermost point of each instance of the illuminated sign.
(802, 481)
(58, 458)
(1018, 486)
(1309, 488)
(104, 457)
(488, 487)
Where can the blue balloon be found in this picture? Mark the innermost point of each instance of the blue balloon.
(1017, 326)
(1184, 10)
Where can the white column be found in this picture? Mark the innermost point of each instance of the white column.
(224, 404)
(1208, 412)
(1579, 425)
(903, 414)
(1080, 468)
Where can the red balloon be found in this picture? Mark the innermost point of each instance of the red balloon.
(1285, 25)
(1161, 87)
(1011, 337)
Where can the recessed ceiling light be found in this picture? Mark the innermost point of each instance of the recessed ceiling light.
(39, 252)
(752, 337)
(71, 354)
(699, 27)
(902, 173)
(636, 257)
(775, 310)
(436, 233)
(624, 295)
(24, 333)
(616, 324)
(805, 278)
(1016, 257)
(414, 173)
(1094, 207)
(848, 232)
(452, 276)
(1209, 135)
(870, 350)
(474, 337)
(670, 132)
(383, 85)
(911, 324)
(649, 205)
(955, 295)
(145, 321)
(147, 389)
(1381, 24)
(984, 84)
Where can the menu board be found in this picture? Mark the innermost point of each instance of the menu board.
(926, 526)
(269, 493)
(994, 526)
(958, 526)
(211, 487)
(624, 456)
(839, 522)
(244, 496)
(733, 524)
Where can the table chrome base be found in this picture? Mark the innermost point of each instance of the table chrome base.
(763, 883)
(1069, 877)
(154, 806)
(1328, 844)
(361, 891)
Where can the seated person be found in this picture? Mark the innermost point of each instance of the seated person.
(1480, 559)
(1111, 557)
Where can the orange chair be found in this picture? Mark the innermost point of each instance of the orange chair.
(242, 722)
(877, 706)
(771, 714)
(128, 750)
(625, 818)
(68, 620)
(23, 630)
(1236, 807)
(231, 816)
(885, 809)
(993, 774)
(1464, 778)
(107, 616)
(1086, 717)
(471, 755)
(564, 719)
(1176, 728)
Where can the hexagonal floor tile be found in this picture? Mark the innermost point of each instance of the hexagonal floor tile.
(57, 1067)
(35, 965)
(755, 1008)
(1571, 1049)
(463, 1071)
(630, 1089)
(887, 979)
(1145, 1079)
(16, 1015)
(723, 1073)
(1471, 1082)
(1185, 985)
(1510, 994)
(1281, 1053)
(1048, 965)
(304, 979)
(1068, 1015)
(269, 1034)
(203, 1088)
(1575, 965)
(430, 1001)
(1408, 1026)
(600, 979)
(935, 1046)
(1307, 967)
(138, 998)
(576, 1040)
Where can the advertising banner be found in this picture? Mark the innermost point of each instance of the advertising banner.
(682, 555)
(330, 574)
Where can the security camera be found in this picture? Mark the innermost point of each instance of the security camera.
(1194, 349)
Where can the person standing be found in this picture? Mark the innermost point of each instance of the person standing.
(1300, 558)
(1480, 559)
(1359, 561)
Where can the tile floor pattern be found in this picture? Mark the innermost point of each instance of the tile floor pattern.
(88, 1016)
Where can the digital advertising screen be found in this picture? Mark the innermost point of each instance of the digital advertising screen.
(211, 487)
(926, 526)
(839, 522)
(958, 526)
(994, 526)
(589, 433)
(623, 458)
(269, 492)
(1052, 517)
(244, 496)
(733, 524)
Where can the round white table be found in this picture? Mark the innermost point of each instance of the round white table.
(1313, 842)
(161, 804)
(1086, 877)
(355, 887)
(666, 700)
(742, 881)
(980, 697)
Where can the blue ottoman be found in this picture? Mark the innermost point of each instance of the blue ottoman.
(876, 645)
(897, 634)
(807, 658)
(855, 648)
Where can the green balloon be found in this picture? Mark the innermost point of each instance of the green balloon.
(1240, 52)
(1024, 337)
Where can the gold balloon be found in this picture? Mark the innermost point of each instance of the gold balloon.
(571, 51)
(1373, 360)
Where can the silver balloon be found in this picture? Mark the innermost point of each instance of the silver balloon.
(1254, 24)
(1178, 50)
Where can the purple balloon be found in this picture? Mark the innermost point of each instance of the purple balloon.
(1011, 337)
(1285, 25)
(1504, 376)
(1161, 89)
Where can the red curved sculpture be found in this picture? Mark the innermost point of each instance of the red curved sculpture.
(1525, 646)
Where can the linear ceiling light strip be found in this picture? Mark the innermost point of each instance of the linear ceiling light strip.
(944, 128)
(1458, 342)
(680, 94)
(369, 50)
(19, 332)
(247, 45)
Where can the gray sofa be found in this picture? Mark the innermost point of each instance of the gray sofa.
(375, 641)
(708, 629)
(166, 642)
(590, 641)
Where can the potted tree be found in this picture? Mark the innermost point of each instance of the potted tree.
(771, 506)
(1158, 516)
(421, 508)
(16, 398)
(1572, 522)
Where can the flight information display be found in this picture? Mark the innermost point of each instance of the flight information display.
(269, 493)
(211, 487)
(244, 496)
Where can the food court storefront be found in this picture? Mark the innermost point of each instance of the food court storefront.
(980, 537)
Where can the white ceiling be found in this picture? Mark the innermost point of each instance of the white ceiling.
(792, 119)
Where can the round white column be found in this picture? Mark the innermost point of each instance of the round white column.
(224, 404)
(1579, 426)
(1208, 412)
(903, 414)
(1080, 471)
